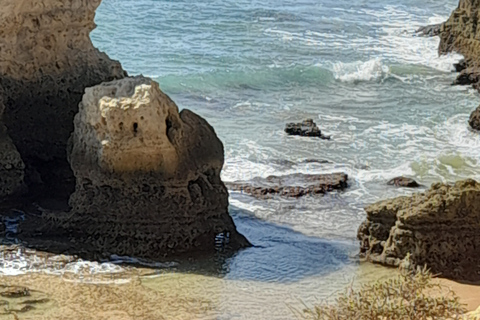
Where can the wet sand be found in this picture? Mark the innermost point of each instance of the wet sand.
(151, 294)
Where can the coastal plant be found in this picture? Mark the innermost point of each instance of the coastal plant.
(412, 295)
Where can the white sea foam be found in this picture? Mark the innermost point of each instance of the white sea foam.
(372, 70)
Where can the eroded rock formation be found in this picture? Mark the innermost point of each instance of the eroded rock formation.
(439, 228)
(46, 61)
(474, 120)
(460, 34)
(147, 177)
(293, 185)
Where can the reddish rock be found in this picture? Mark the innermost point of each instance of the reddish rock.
(293, 185)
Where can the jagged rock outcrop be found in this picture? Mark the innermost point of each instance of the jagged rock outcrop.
(294, 185)
(474, 120)
(306, 128)
(46, 61)
(438, 228)
(460, 34)
(403, 182)
(147, 177)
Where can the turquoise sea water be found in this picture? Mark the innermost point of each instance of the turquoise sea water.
(249, 67)
(355, 67)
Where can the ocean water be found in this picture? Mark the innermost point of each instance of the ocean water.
(249, 67)
(355, 67)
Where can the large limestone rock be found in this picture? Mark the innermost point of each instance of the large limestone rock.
(46, 61)
(147, 177)
(439, 228)
(460, 34)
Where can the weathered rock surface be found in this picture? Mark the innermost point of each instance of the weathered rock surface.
(307, 128)
(439, 228)
(46, 61)
(147, 177)
(293, 185)
(474, 120)
(403, 182)
(460, 34)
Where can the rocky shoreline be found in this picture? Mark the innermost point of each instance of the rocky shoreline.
(78, 136)
(437, 228)
(108, 160)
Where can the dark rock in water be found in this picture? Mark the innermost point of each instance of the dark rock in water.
(474, 120)
(460, 65)
(319, 161)
(403, 182)
(466, 77)
(307, 128)
(432, 30)
(438, 228)
(293, 185)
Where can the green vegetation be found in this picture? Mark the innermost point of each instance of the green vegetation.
(410, 296)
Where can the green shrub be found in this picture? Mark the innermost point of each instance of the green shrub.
(406, 297)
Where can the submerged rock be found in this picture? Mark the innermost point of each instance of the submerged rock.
(147, 177)
(293, 185)
(474, 120)
(430, 30)
(438, 228)
(403, 182)
(307, 128)
(46, 63)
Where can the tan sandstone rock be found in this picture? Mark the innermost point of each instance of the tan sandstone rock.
(47, 60)
(460, 34)
(439, 228)
(147, 177)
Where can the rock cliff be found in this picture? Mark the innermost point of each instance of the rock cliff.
(46, 61)
(460, 34)
(147, 176)
(142, 178)
(438, 228)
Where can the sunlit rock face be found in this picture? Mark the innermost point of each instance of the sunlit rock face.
(460, 34)
(438, 228)
(147, 176)
(46, 61)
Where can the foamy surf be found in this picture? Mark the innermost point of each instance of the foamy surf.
(372, 70)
